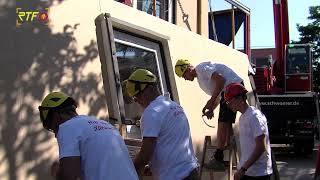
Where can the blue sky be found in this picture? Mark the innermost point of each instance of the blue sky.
(262, 28)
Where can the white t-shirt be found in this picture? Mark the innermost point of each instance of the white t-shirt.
(103, 152)
(204, 73)
(173, 157)
(252, 124)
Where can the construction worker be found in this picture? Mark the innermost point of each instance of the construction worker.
(212, 79)
(255, 159)
(88, 148)
(166, 143)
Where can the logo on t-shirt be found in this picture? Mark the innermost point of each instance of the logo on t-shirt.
(177, 110)
(99, 125)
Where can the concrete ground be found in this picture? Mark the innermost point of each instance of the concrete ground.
(293, 167)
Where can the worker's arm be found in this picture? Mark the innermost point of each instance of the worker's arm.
(218, 86)
(69, 168)
(259, 149)
(145, 154)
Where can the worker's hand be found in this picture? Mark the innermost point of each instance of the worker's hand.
(54, 170)
(208, 113)
(239, 174)
(208, 109)
(147, 171)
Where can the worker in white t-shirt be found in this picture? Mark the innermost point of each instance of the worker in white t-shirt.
(212, 79)
(166, 144)
(255, 159)
(89, 148)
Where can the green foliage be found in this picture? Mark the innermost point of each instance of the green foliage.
(311, 34)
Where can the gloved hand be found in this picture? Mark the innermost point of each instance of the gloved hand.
(208, 109)
(147, 171)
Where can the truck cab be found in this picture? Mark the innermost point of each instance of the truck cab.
(292, 112)
(285, 89)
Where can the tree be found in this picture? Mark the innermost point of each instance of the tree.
(311, 34)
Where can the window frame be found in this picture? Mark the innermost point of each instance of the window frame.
(169, 4)
(105, 27)
(147, 45)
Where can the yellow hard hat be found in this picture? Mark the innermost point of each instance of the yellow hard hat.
(139, 80)
(181, 67)
(52, 100)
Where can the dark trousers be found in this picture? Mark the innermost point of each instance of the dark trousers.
(266, 177)
(194, 175)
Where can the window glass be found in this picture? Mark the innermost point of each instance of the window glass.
(297, 60)
(134, 53)
(262, 62)
(161, 7)
(164, 8)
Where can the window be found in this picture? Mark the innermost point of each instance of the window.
(122, 50)
(263, 62)
(161, 7)
(134, 53)
(164, 8)
(297, 61)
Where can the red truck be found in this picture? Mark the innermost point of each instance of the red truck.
(285, 89)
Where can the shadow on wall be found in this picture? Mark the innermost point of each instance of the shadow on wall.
(33, 62)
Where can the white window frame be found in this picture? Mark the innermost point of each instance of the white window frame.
(147, 45)
(105, 28)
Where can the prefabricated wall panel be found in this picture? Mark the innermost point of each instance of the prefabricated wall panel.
(63, 56)
(186, 45)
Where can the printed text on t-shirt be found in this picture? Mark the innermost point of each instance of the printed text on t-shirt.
(177, 110)
(99, 125)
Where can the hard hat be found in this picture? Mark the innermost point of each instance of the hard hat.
(181, 67)
(138, 81)
(232, 90)
(52, 100)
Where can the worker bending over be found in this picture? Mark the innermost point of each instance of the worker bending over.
(212, 79)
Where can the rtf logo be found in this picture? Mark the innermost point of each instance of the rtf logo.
(31, 16)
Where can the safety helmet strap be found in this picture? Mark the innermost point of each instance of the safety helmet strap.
(182, 64)
(45, 121)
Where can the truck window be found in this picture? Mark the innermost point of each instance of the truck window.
(262, 62)
(297, 60)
